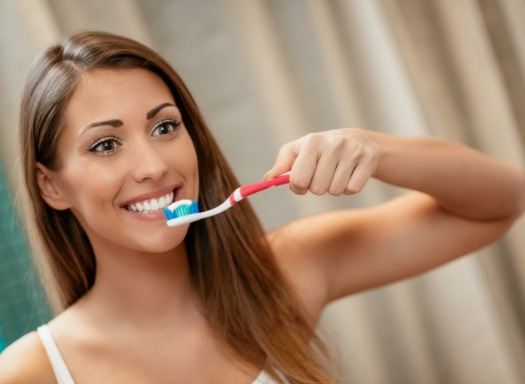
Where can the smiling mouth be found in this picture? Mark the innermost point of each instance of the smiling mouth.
(153, 205)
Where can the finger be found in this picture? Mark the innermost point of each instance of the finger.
(285, 158)
(362, 173)
(342, 175)
(324, 172)
(303, 168)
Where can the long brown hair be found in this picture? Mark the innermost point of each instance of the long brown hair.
(247, 302)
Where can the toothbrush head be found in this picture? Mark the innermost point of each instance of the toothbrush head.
(181, 208)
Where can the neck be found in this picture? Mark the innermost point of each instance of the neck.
(147, 290)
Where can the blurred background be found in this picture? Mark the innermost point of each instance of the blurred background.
(265, 72)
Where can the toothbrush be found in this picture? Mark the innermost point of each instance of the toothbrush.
(187, 211)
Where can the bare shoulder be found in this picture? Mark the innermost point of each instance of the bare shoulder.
(25, 361)
(299, 270)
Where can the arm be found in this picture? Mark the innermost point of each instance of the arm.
(461, 200)
(462, 180)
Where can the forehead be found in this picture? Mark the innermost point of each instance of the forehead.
(115, 93)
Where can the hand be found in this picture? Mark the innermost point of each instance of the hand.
(338, 161)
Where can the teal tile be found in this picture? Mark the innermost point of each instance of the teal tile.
(22, 301)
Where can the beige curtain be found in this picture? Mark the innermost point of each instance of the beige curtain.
(265, 72)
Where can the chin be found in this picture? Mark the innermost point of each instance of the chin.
(164, 242)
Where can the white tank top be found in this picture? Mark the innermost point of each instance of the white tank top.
(63, 376)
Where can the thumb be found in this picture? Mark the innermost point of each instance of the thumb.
(283, 163)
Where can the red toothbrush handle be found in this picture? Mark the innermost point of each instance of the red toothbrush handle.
(249, 189)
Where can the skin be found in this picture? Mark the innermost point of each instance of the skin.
(94, 185)
(142, 267)
(461, 200)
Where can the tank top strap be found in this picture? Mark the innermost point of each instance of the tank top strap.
(58, 364)
(265, 378)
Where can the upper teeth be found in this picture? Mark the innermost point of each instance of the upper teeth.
(152, 204)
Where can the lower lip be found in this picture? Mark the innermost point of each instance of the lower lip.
(151, 216)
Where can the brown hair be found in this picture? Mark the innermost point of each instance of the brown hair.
(247, 302)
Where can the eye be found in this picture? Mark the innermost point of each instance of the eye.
(166, 127)
(104, 145)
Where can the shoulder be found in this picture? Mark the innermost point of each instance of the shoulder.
(25, 361)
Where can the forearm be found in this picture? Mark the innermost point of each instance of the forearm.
(461, 179)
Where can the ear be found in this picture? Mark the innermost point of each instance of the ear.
(49, 188)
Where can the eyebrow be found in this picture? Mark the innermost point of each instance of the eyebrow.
(115, 123)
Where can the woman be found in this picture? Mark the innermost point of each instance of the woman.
(107, 124)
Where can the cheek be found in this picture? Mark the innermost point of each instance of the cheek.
(182, 157)
(192, 167)
(92, 186)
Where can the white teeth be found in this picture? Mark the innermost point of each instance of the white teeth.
(155, 204)
(151, 205)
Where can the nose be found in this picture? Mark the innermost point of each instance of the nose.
(149, 164)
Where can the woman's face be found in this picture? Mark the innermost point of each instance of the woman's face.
(124, 143)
